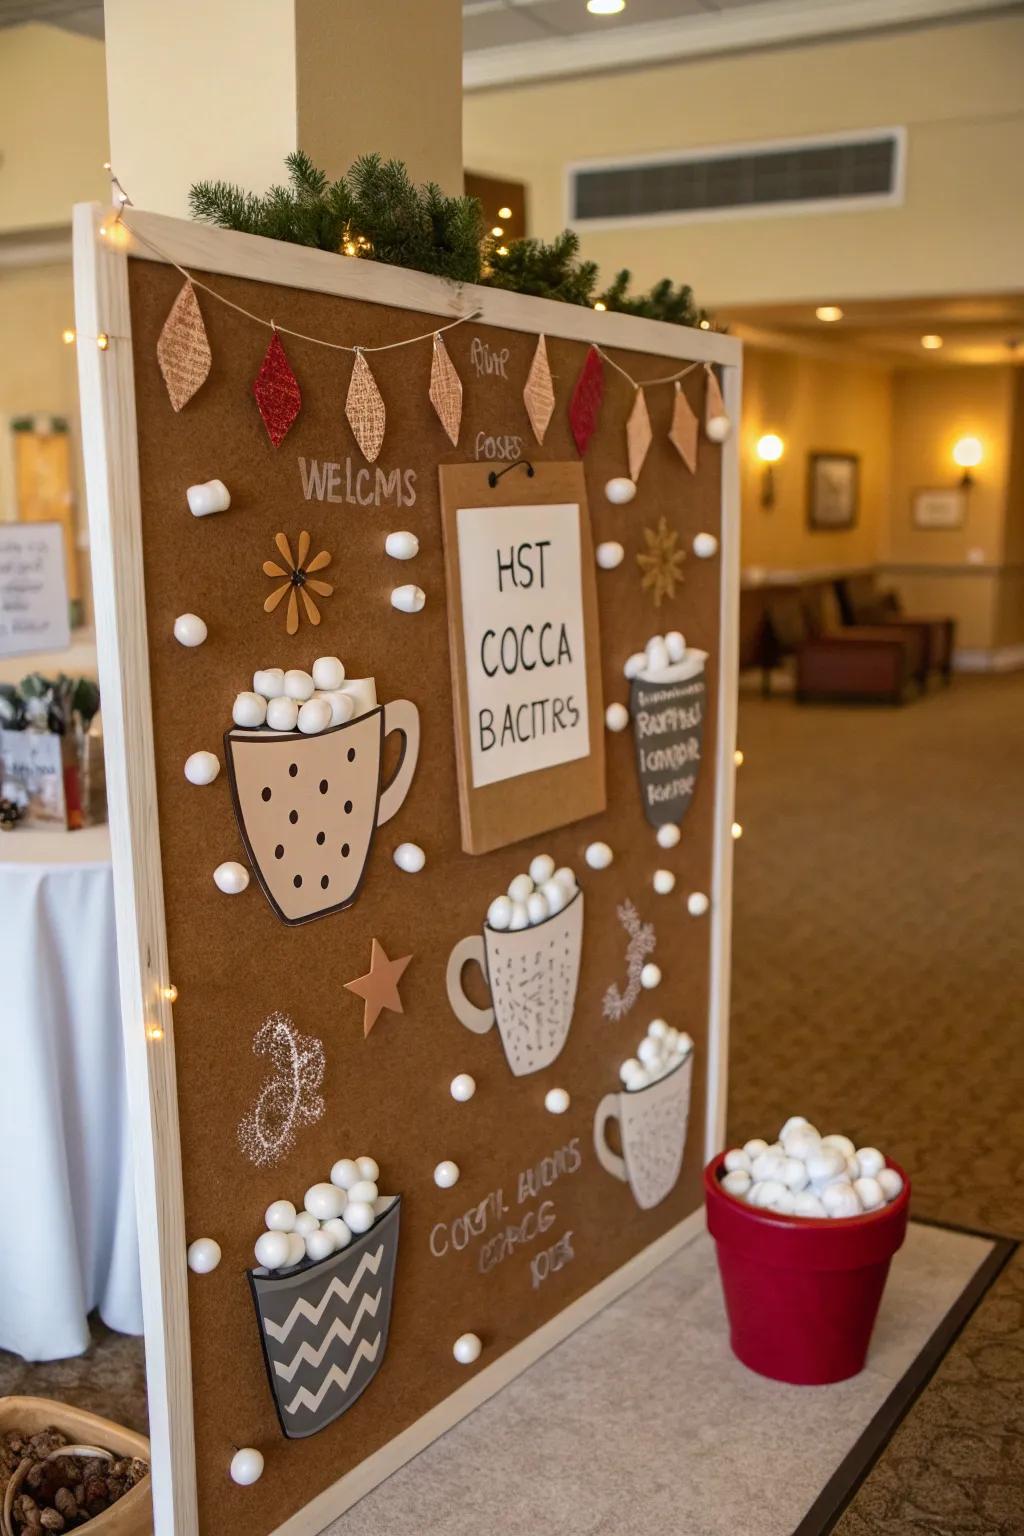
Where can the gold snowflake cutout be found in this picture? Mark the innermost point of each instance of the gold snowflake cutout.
(661, 562)
(297, 581)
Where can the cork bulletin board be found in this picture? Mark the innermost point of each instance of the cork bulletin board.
(325, 1010)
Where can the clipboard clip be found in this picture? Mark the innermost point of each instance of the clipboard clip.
(496, 474)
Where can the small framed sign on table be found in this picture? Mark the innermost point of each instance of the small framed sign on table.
(34, 612)
(523, 633)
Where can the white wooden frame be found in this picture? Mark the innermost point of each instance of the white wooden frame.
(106, 383)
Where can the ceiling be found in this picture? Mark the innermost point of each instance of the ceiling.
(985, 328)
(498, 23)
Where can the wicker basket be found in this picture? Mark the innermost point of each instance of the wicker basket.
(131, 1515)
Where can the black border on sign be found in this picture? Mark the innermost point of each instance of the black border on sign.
(838, 1493)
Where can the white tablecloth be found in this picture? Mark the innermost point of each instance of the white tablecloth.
(70, 1241)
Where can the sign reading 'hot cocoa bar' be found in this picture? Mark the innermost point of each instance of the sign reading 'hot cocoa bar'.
(522, 623)
(668, 723)
(525, 650)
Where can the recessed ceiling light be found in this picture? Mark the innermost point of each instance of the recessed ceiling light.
(828, 312)
(605, 7)
(504, 213)
(931, 342)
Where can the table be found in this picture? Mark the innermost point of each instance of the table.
(71, 1243)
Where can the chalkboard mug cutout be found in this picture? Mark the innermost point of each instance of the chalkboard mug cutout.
(652, 1122)
(667, 709)
(532, 976)
(307, 807)
(324, 1327)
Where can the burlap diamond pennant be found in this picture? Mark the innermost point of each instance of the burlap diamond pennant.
(683, 431)
(539, 391)
(585, 405)
(638, 435)
(364, 408)
(183, 349)
(446, 391)
(714, 405)
(277, 392)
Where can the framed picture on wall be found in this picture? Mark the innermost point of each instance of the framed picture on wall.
(941, 506)
(832, 489)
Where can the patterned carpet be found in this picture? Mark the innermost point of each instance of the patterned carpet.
(878, 989)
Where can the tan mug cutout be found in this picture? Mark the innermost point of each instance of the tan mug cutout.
(532, 976)
(308, 806)
(652, 1122)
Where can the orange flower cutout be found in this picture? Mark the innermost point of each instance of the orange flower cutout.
(297, 581)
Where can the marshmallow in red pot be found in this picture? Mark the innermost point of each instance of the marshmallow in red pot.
(804, 1173)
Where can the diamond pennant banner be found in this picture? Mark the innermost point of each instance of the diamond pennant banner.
(446, 391)
(183, 348)
(638, 435)
(364, 408)
(539, 391)
(585, 405)
(277, 392)
(683, 431)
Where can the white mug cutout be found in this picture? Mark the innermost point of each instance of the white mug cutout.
(532, 975)
(652, 1122)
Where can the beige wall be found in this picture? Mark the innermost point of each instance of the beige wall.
(932, 408)
(957, 89)
(816, 407)
(53, 125)
(902, 425)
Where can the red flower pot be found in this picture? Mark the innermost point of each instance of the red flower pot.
(801, 1294)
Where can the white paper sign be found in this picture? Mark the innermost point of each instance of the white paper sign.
(522, 621)
(33, 589)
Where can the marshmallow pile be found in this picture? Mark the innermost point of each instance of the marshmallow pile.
(660, 653)
(307, 701)
(807, 1174)
(532, 896)
(334, 1212)
(659, 1052)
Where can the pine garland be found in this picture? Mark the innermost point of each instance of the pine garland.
(375, 212)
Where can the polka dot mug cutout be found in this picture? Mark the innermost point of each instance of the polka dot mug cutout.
(308, 807)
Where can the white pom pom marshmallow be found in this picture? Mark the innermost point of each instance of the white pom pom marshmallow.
(269, 683)
(246, 1466)
(280, 1216)
(328, 673)
(402, 545)
(345, 1173)
(408, 599)
(609, 555)
(466, 1348)
(668, 835)
(211, 496)
(282, 714)
(249, 710)
(616, 717)
(410, 857)
(203, 1255)
(620, 491)
(870, 1162)
(201, 767)
(705, 545)
(272, 1250)
(556, 1101)
(650, 976)
(664, 881)
(231, 878)
(298, 685)
(446, 1174)
(463, 1088)
(189, 629)
(598, 855)
(314, 717)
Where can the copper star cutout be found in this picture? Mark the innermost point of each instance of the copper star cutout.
(379, 987)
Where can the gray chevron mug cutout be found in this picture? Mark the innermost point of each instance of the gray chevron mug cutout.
(324, 1327)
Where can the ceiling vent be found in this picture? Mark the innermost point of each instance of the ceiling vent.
(795, 176)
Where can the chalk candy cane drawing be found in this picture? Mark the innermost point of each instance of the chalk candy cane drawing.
(642, 941)
(289, 1097)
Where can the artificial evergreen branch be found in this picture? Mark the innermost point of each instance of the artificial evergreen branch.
(377, 213)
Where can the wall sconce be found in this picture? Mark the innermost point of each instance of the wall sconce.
(770, 449)
(967, 454)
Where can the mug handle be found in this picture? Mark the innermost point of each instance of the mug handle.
(402, 716)
(610, 1161)
(479, 1020)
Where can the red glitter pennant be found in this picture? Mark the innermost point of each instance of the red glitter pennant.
(277, 392)
(585, 405)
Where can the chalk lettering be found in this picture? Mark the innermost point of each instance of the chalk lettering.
(551, 1260)
(335, 481)
(488, 360)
